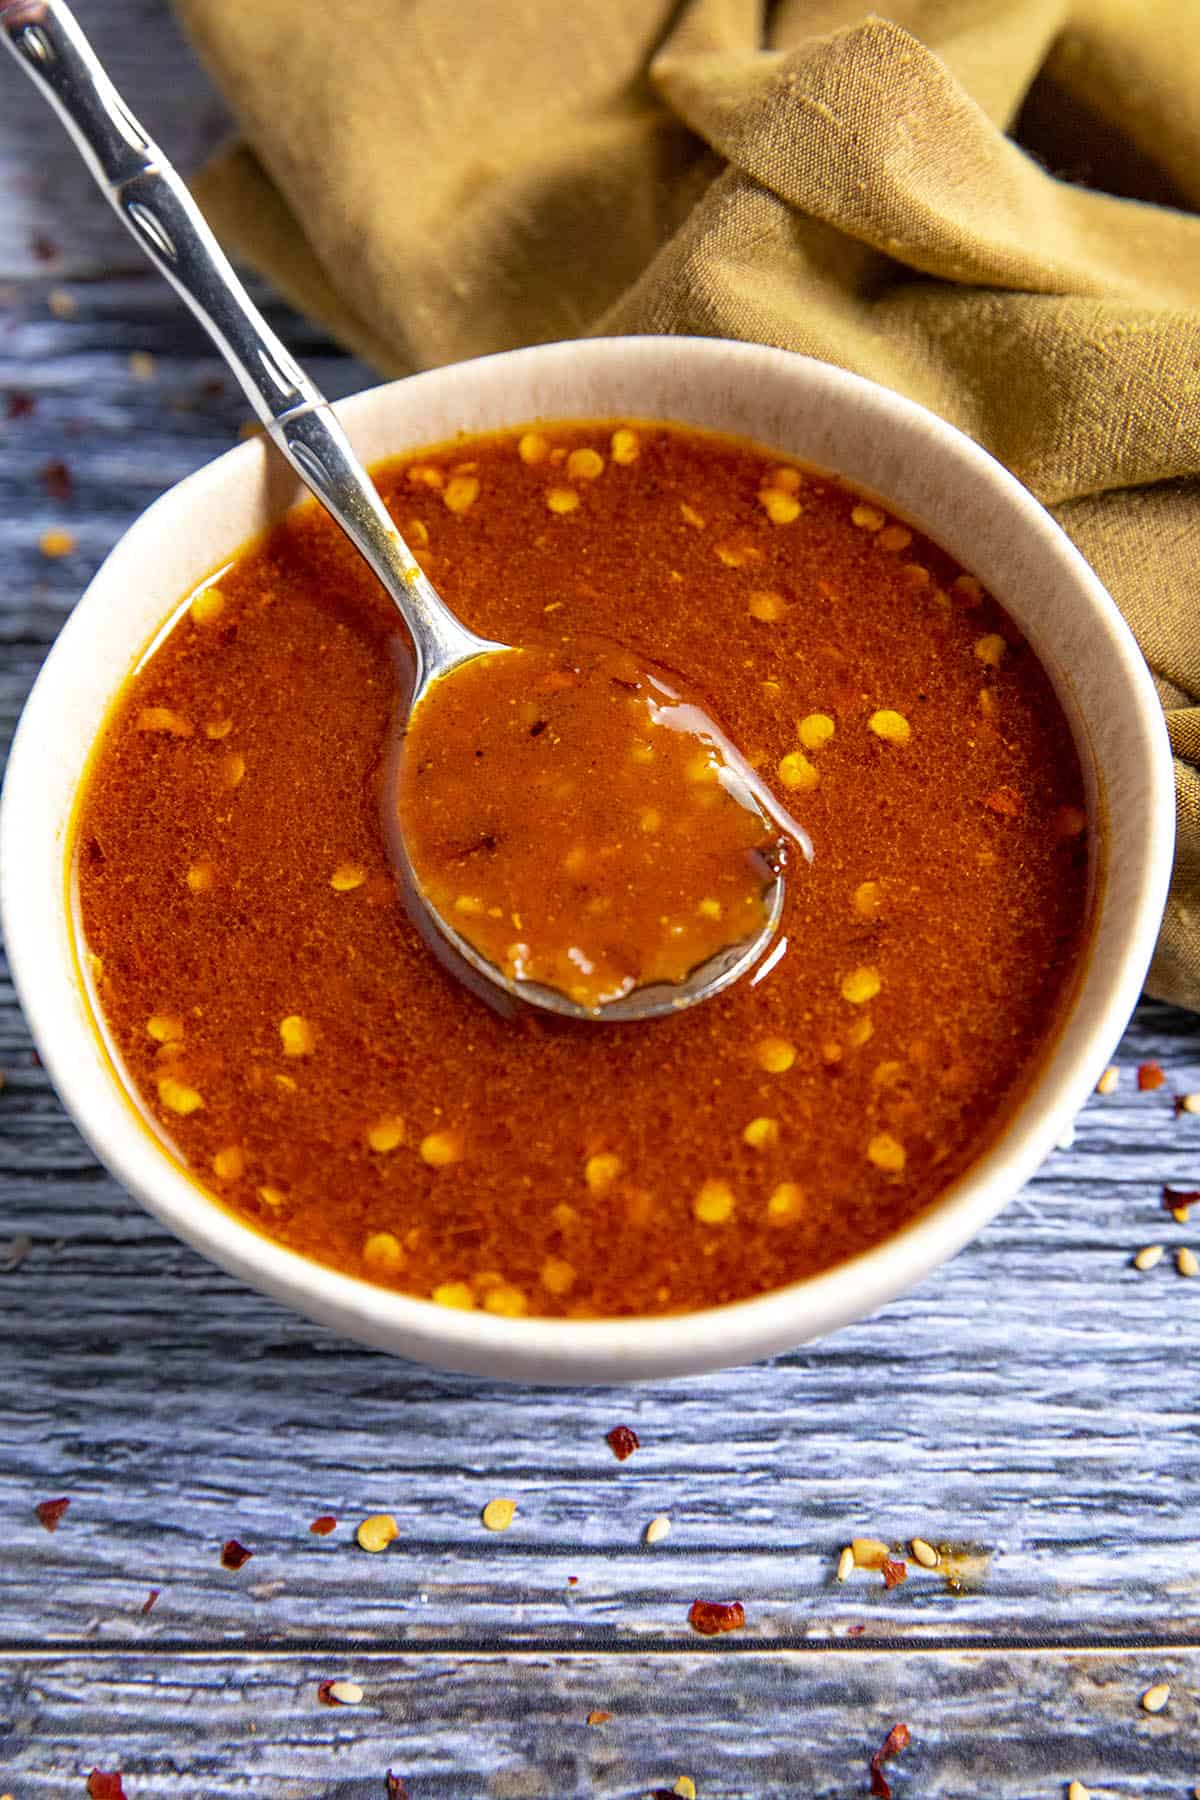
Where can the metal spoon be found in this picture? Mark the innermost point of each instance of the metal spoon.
(152, 201)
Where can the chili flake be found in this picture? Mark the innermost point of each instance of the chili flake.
(896, 1740)
(1186, 1103)
(709, 1618)
(56, 479)
(598, 1717)
(623, 1440)
(105, 1787)
(1006, 801)
(18, 404)
(234, 1555)
(1174, 1198)
(396, 1789)
(324, 1525)
(894, 1572)
(50, 1512)
(1150, 1077)
(151, 1597)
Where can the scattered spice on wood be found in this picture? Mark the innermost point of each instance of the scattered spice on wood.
(105, 1787)
(1107, 1083)
(17, 1251)
(1077, 1791)
(498, 1515)
(234, 1555)
(151, 1597)
(1178, 1200)
(1156, 1697)
(845, 1566)
(56, 479)
(685, 1787)
(894, 1571)
(572, 1581)
(18, 404)
(396, 1789)
(623, 1440)
(711, 1617)
(868, 1553)
(598, 1717)
(339, 1693)
(1006, 801)
(377, 1532)
(658, 1529)
(924, 1553)
(1148, 1258)
(1187, 1262)
(1150, 1077)
(55, 543)
(324, 1525)
(896, 1740)
(1186, 1103)
(51, 1511)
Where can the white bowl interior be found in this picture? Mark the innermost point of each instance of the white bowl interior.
(924, 470)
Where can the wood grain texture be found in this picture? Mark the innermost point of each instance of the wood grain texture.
(1008, 1727)
(1034, 1402)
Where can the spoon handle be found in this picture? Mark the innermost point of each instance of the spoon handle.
(152, 201)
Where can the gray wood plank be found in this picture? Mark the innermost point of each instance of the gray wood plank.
(1010, 1727)
(51, 217)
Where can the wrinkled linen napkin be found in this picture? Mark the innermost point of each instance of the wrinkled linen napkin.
(989, 205)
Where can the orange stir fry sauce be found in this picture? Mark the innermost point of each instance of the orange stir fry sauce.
(566, 812)
(288, 1033)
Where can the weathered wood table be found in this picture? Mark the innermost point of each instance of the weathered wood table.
(1033, 1405)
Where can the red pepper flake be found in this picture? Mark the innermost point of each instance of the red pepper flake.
(324, 1693)
(896, 1740)
(598, 1717)
(623, 1441)
(572, 1581)
(105, 1787)
(234, 1555)
(894, 1572)
(324, 1525)
(56, 478)
(711, 1617)
(18, 404)
(855, 1630)
(1173, 1197)
(1150, 1077)
(396, 1789)
(50, 1512)
(151, 1597)
(1006, 801)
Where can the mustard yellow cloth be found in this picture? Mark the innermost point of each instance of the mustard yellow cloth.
(986, 204)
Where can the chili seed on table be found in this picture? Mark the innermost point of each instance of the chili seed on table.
(1156, 1697)
(376, 1532)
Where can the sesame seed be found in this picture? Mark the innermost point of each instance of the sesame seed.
(1149, 1258)
(924, 1553)
(1156, 1697)
(1186, 1262)
(345, 1693)
(658, 1529)
(846, 1564)
(1107, 1083)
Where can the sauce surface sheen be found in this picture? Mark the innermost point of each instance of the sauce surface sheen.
(284, 1026)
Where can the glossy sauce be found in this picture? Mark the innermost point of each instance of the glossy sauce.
(581, 824)
(288, 1033)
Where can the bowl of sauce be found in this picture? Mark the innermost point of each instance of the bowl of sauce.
(204, 910)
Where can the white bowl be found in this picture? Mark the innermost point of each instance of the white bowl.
(932, 476)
